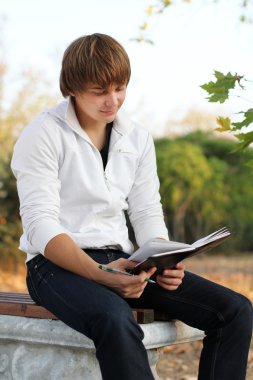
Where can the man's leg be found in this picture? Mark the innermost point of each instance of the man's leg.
(224, 315)
(96, 312)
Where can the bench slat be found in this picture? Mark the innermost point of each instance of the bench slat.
(25, 310)
(21, 304)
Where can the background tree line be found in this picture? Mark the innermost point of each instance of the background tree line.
(27, 102)
(203, 187)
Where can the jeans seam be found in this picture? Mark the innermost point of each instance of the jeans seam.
(33, 287)
(219, 331)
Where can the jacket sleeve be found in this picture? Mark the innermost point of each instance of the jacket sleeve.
(35, 164)
(145, 209)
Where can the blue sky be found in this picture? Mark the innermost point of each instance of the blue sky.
(191, 41)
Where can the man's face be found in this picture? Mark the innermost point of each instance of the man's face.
(99, 105)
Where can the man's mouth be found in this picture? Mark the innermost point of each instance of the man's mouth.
(108, 112)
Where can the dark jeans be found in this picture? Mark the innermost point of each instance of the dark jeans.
(106, 318)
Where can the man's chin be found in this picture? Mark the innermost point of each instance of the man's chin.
(110, 118)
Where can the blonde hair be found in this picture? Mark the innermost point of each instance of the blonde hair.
(93, 59)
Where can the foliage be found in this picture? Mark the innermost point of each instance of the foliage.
(26, 103)
(187, 180)
(160, 7)
(204, 186)
(219, 91)
(157, 8)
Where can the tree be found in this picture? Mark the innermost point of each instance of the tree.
(204, 186)
(13, 118)
(187, 180)
(235, 184)
(219, 91)
(160, 7)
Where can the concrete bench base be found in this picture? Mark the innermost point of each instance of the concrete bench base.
(39, 349)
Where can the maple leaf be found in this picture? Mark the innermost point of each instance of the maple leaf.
(248, 119)
(245, 139)
(219, 91)
(225, 124)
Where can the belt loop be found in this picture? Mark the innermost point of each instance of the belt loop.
(110, 255)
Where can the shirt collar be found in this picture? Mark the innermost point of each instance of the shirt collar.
(122, 123)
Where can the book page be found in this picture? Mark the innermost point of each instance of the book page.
(155, 246)
(217, 235)
(160, 246)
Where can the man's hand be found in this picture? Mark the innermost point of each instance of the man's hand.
(126, 286)
(171, 278)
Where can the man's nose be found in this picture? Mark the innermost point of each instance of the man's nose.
(111, 99)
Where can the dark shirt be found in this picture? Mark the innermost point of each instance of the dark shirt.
(105, 149)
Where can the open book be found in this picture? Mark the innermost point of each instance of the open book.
(166, 254)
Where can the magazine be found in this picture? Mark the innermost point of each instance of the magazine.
(166, 253)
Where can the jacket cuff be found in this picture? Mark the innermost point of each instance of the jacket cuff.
(46, 231)
(150, 233)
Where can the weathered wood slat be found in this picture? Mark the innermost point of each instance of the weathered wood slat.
(21, 304)
(25, 310)
(143, 315)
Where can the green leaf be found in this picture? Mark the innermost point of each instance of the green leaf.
(248, 119)
(245, 139)
(225, 124)
(219, 91)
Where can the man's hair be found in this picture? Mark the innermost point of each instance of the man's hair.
(93, 59)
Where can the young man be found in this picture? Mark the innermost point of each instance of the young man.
(79, 167)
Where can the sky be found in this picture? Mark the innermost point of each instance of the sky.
(191, 40)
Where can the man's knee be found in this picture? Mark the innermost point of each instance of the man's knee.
(245, 313)
(240, 315)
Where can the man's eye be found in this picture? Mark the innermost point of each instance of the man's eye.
(100, 92)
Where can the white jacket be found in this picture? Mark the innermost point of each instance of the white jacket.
(63, 187)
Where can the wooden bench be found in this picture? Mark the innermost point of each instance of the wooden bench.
(21, 304)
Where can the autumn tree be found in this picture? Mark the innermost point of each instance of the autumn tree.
(24, 105)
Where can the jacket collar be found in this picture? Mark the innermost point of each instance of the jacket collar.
(122, 124)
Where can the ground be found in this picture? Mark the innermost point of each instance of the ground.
(180, 362)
